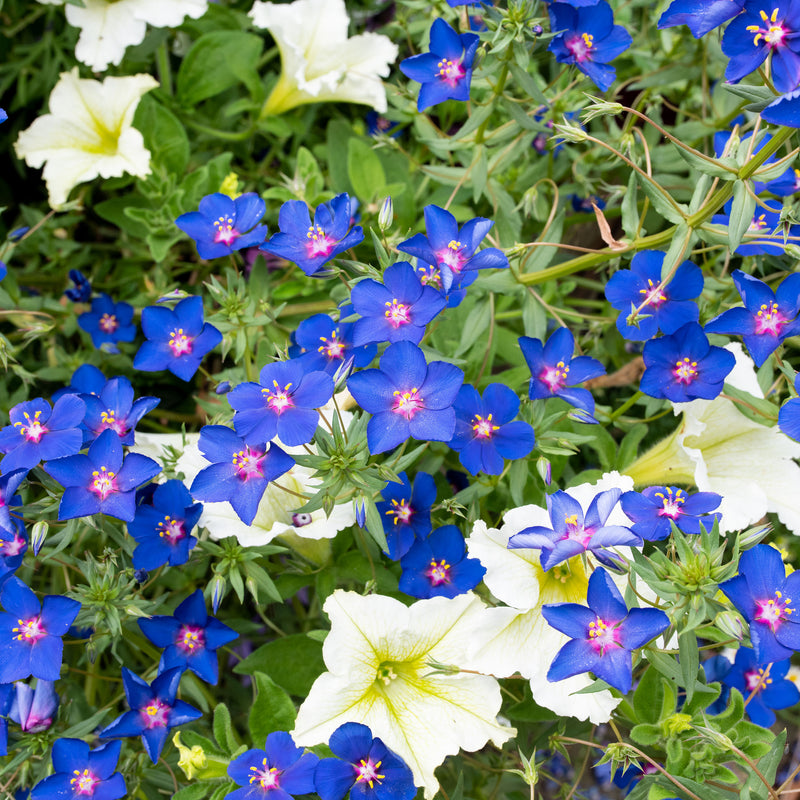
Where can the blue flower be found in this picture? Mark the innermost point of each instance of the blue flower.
(573, 532)
(154, 710)
(283, 404)
(662, 307)
(223, 225)
(81, 772)
(328, 345)
(108, 323)
(701, 16)
(588, 38)
(397, 309)
(101, 481)
(555, 373)
(438, 566)
(789, 415)
(115, 409)
(240, 470)
(278, 772)
(765, 233)
(177, 340)
(762, 593)
(407, 397)
(31, 632)
(406, 512)
(82, 292)
(87, 379)
(34, 709)
(603, 635)
(684, 366)
(378, 125)
(446, 71)
(585, 205)
(191, 638)
(656, 507)
(364, 766)
(767, 317)
(784, 111)
(3, 115)
(484, 434)
(9, 483)
(312, 246)
(163, 528)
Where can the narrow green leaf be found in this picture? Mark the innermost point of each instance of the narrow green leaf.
(689, 661)
(742, 210)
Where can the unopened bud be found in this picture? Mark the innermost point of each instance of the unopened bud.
(579, 415)
(569, 133)
(793, 251)
(545, 470)
(386, 215)
(217, 592)
(38, 535)
(752, 536)
(730, 623)
(134, 611)
(361, 513)
(223, 388)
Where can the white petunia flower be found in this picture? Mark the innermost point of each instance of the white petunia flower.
(109, 28)
(378, 654)
(718, 449)
(88, 133)
(319, 63)
(518, 638)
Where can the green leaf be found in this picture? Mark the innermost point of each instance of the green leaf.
(648, 696)
(223, 730)
(630, 208)
(194, 791)
(164, 135)
(689, 661)
(725, 168)
(742, 210)
(755, 408)
(660, 201)
(364, 169)
(273, 709)
(293, 662)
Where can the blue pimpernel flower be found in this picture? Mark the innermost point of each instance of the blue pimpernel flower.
(684, 366)
(586, 205)
(555, 373)
(765, 234)
(328, 345)
(574, 532)
(407, 397)
(588, 38)
(485, 434)
(31, 631)
(283, 404)
(81, 772)
(34, 709)
(13, 546)
(312, 246)
(701, 16)
(603, 635)
(108, 323)
(661, 307)
(240, 470)
(222, 225)
(9, 483)
(656, 507)
(278, 772)
(364, 766)
(406, 511)
(785, 110)
(191, 638)
(437, 566)
(396, 310)
(764, 686)
(102, 481)
(177, 339)
(452, 251)
(154, 710)
(3, 115)
(789, 414)
(762, 593)
(6, 698)
(768, 316)
(40, 433)
(82, 290)
(116, 409)
(87, 379)
(163, 528)
(378, 125)
(446, 71)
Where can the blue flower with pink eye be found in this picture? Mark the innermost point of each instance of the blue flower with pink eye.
(81, 772)
(190, 637)
(653, 511)
(555, 373)
(116, 409)
(81, 292)
(701, 16)
(108, 323)
(406, 511)
(446, 71)
(485, 434)
(154, 711)
(283, 404)
(574, 532)
(328, 345)
(602, 634)
(437, 566)
(101, 481)
(311, 246)
(240, 470)
(768, 316)
(588, 38)
(13, 546)
(684, 366)
(664, 307)
(177, 339)
(222, 225)
(31, 631)
(9, 483)
(278, 772)
(407, 397)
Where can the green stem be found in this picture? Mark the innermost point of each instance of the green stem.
(625, 406)
(498, 90)
(164, 68)
(230, 136)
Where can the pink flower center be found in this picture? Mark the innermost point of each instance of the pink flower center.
(13, 547)
(278, 400)
(407, 403)
(758, 225)
(32, 429)
(671, 503)
(225, 232)
(451, 72)
(318, 242)
(109, 421)
(483, 428)
(249, 463)
(774, 611)
(155, 714)
(430, 276)
(452, 256)
(332, 348)
(654, 294)
(397, 313)
(190, 639)
(180, 343)
(267, 777)
(103, 483)
(685, 371)
(769, 319)
(402, 511)
(603, 635)
(576, 531)
(755, 680)
(580, 46)
(772, 31)
(29, 630)
(83, 784)
(171, 529)
(367, 772)
(108, 323)
(438, 572)
(555, 378)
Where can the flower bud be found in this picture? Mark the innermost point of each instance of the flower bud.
(38, 535)
(752, 536)
(223, 388)
(361, 512)
(545, 470)
(217, 592)
(730, 623)
(386, 215)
